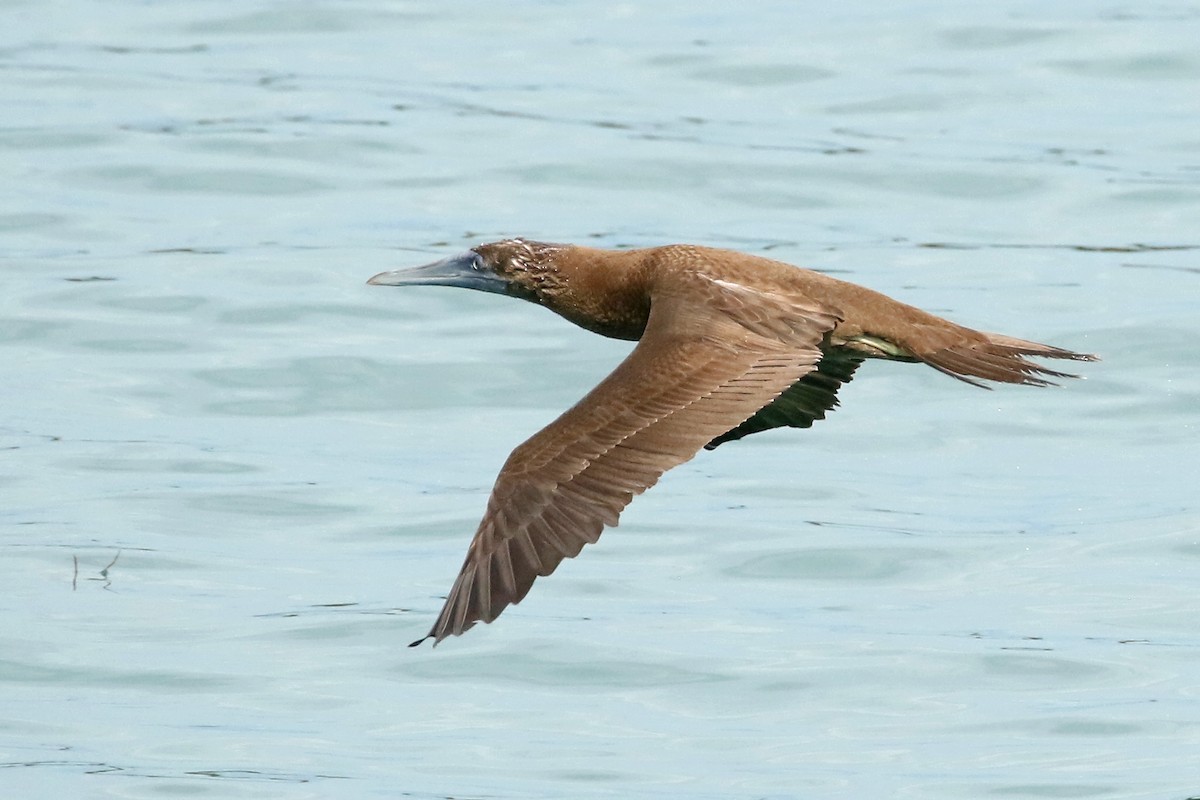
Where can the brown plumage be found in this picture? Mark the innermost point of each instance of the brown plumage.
(729, 344)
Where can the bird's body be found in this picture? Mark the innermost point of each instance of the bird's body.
(729, 345)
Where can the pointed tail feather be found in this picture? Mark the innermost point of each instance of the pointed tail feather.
(1000, 358)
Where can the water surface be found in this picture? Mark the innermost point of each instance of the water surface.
(236, 481)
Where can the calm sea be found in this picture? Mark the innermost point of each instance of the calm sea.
(235, 481)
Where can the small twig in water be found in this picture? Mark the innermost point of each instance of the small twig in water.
(104, 576)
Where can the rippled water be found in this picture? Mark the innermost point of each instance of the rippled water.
(236, 481)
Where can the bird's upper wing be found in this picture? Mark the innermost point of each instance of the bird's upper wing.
(709, 359)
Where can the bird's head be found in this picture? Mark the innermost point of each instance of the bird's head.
(516, 267)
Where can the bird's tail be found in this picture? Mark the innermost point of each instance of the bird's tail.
(995, 357)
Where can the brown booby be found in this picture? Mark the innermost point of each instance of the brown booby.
(729, 344)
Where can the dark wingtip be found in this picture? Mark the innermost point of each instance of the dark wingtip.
(420, 641)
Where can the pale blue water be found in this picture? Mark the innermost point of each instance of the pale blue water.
(268, 473)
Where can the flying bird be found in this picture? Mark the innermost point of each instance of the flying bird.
(729, 344)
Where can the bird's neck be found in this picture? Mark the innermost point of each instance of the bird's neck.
(603, 291)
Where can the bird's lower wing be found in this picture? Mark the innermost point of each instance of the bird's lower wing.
(804, 402)
(699, 370)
